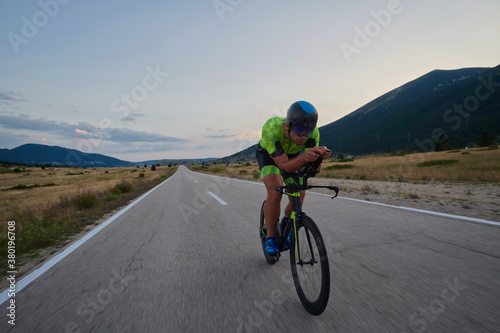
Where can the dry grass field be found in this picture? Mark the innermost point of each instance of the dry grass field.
(460, 182)
(478, 165)
(51, 204)
(467, 165)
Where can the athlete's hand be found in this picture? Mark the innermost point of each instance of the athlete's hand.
(312, 154)
(325, 154)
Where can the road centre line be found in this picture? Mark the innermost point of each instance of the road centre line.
(54, 260)
(222, 202)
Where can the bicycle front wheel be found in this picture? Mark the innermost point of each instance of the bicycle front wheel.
(310, 268)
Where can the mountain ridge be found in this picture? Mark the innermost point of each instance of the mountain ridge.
(32, 153)
(419, 107)
(38, 154)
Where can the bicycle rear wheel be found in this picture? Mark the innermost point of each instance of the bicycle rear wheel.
(310, 268)
(271, 260)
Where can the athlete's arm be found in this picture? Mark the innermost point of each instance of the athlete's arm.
(294, 164)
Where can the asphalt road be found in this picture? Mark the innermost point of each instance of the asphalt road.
(186, 260)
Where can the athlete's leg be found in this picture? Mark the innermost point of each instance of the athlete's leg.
(272, 206)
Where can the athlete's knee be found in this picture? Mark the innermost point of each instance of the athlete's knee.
(273, 195)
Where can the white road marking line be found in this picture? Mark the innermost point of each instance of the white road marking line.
(459, 217)
(222, 202)
(48, 265)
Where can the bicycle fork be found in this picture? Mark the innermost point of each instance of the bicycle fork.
(292, 226)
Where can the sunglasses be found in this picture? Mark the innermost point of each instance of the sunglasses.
(302, 131)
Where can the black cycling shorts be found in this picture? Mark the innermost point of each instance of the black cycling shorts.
(267, 165)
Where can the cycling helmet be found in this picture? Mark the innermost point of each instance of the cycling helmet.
(301, 118)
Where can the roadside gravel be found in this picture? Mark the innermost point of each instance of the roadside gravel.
(473, 200)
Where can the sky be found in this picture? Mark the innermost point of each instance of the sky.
(144, 80)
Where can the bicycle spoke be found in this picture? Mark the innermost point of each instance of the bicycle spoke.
(310, 267)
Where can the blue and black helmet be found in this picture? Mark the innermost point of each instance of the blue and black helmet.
(301, 118)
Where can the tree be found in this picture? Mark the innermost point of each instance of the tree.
(442, 143)
(485, 139)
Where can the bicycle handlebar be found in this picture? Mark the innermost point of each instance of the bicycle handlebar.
(310, 169)
(296, 188)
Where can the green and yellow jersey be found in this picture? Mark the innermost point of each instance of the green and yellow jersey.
(275, 143)
(273, 138)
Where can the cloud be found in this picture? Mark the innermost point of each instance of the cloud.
(222, 136)
(84, 130)
(228, 135)
(128, 135)
(218, 134)
(132, 117)
(11, 96)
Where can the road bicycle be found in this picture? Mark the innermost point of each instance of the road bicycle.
(308, 256)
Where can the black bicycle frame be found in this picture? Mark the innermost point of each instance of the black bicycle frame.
(293, 191)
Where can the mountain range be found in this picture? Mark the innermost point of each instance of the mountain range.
(52, 155)
(443, 105)
(451, 107)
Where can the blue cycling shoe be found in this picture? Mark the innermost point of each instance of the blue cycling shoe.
(271, 246)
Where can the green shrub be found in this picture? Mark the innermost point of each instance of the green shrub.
(339, 166)
(436, 162)
(86, 200)
(111, 197)
(122, 187)
(26, 187)
(217, 169)
(20, 187)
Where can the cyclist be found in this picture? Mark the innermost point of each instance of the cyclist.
(279, 149)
